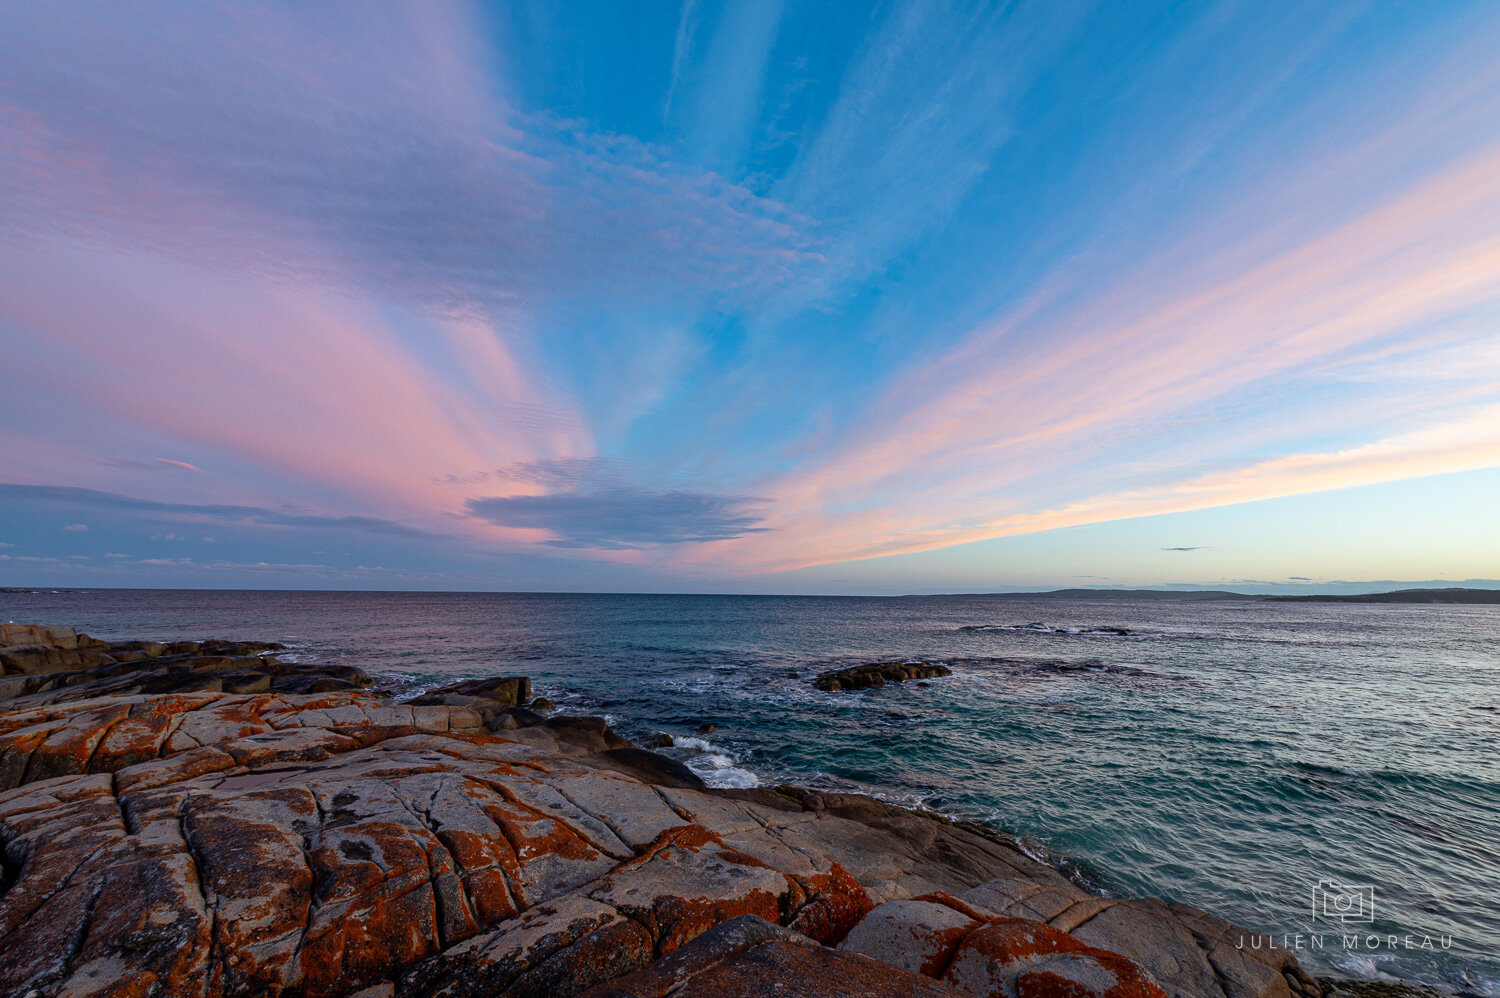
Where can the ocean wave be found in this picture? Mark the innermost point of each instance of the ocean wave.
(1400, 968)
(983, 669)
(1327, 769)
(400, 686)
(1091, 666)
(305, 654)
(1106, 631)
(713, 764)
(965, 671)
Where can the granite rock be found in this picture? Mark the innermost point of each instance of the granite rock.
(860, 677)
(58, 665)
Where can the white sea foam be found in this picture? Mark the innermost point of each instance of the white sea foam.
(1116, 633)
(1360, 965)
(714, 766)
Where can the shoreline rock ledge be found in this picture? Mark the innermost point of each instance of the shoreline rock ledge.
(311, 845)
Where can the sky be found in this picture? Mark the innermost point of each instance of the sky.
(752, 296)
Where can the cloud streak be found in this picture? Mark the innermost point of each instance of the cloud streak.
(1469, 444)
(78, 498)
(1051, 389)
(623, 517)
(185, 466)
(593, 504)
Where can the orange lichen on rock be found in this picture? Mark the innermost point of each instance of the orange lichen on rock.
(835, 904)
(688, 881)
(1034, 960)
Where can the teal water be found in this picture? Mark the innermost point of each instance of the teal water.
(1227, 755)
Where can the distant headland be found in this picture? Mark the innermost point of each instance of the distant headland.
(1454, 595)
(1447, 595)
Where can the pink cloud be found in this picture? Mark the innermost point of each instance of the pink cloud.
(401, 170)
(321, 271)
(310, 386)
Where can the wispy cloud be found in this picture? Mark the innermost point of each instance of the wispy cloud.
(624, 517)
(1032, 406)
(1468, 444)
(179, 464)
(919, 137)
(239, 135)
(680, 47)
(592, 504)
(79, 498)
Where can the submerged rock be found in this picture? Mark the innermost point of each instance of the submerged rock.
(1335, 987)
(860, 677)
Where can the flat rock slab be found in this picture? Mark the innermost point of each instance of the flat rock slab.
(920, 936)
(782, 969)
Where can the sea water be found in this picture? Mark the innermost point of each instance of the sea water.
(1251, 758)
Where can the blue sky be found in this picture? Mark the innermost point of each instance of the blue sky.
(758, 296)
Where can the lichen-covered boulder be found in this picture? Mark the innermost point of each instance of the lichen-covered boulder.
(743, 959)
(918, 935)
(1013, 956)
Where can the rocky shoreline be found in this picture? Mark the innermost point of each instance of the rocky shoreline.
(205, 819)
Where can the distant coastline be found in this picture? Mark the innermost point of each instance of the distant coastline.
(1449, 595)
(1402, 596)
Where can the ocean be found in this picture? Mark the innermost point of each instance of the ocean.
(1324, 773)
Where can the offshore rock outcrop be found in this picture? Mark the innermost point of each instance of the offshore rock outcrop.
(859, 677)
(285, 844)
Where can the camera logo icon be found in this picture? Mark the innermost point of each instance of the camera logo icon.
(1347, 903)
